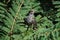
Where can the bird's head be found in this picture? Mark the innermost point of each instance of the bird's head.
(31, 11)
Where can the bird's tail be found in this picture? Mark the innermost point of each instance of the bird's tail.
(34, 25)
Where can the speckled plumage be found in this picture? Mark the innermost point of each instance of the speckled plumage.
(30, 19)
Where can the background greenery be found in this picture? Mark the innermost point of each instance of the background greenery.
(13, 12)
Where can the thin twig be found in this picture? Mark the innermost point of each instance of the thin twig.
(12, 27)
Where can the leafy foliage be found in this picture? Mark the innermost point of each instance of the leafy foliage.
(13, 12)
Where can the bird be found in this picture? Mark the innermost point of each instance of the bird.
(30, 20)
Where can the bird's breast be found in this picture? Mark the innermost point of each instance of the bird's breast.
(30, 18)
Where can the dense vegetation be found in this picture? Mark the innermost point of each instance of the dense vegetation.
(13, 12)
